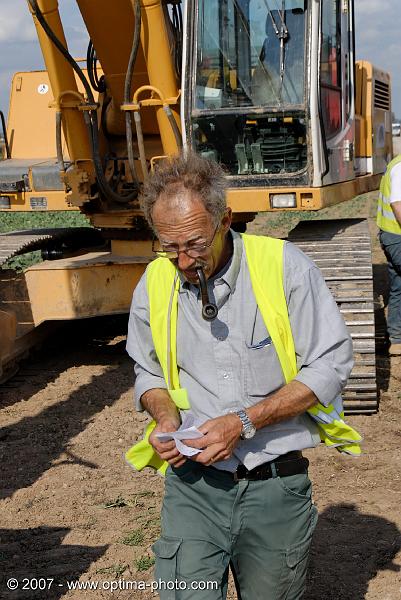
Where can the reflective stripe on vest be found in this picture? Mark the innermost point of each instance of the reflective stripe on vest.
(386, 220)
(265, 262)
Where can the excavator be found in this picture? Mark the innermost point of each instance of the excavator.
(268, 88)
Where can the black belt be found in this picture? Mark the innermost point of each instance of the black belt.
(292, 463)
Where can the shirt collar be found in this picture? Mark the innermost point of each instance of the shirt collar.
(228, 273)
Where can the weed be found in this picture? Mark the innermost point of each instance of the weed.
(134, 538)
(119, 502)
(153, 522)
(144, 563)
(145, 494)
(116, 570)
(133, 501)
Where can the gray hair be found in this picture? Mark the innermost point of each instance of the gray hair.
(203, 177)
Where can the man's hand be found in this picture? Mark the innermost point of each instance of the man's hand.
(221, 435)
(161, 407)
(167, 450)
(396, 206)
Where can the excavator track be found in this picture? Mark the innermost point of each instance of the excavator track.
(342, 251)
(13, 292)
(15, 243)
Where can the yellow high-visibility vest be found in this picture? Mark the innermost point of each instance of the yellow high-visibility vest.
(385, 219)
(265, 262)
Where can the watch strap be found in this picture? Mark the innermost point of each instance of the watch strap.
(245, 420)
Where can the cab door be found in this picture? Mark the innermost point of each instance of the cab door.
(337, 88)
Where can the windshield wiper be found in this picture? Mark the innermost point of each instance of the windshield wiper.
(281, 33)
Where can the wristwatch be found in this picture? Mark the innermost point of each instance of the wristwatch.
(248, 428)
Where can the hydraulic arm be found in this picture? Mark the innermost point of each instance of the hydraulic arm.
(107, 162)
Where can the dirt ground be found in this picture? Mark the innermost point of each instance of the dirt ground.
(72, 509)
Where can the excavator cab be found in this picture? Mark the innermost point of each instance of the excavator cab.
(270, 90)
(247, 106)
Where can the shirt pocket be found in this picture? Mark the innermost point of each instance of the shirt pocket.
(263, 374)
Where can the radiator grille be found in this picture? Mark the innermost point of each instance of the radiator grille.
(382, 95)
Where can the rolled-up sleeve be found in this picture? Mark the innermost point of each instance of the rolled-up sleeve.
(323, 345)
(148, 372)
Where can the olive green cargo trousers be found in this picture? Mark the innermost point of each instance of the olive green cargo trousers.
(263, 528)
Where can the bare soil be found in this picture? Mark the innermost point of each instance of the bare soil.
(71, 508)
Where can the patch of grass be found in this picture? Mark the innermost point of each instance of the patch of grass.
(30, 220)
(137, 498)
(151, 526)
(145, 494)
(144, 563)
(153, 522)
(269, 223)
(17, 221)
(133, 538)
(23, 261)
(120, 502)
(116, 570)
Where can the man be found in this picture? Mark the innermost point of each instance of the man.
(245, 498)
(389, 223)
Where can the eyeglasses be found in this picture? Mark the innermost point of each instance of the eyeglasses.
(192, 251)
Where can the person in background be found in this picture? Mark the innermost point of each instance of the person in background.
(389, 223)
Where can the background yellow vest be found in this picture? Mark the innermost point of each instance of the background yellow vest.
(385, 219)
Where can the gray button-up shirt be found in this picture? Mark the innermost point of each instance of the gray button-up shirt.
(231, 363)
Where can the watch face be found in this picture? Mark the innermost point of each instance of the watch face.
(249, 433)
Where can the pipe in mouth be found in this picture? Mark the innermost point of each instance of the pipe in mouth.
(209, 310)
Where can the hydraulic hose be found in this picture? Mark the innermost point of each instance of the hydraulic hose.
(175, 19)
(174, 126)
(209, 310)
(128, 84)
(3, 124)
(141, 145)
(59, 146)
(39, 15)
(91, 60)
(91, 119)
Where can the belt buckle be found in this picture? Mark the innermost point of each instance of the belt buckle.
(240, 477)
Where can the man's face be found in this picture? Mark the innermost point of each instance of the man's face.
(183, 222)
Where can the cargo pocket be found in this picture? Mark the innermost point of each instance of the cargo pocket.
(166, 550)
(296, 564)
